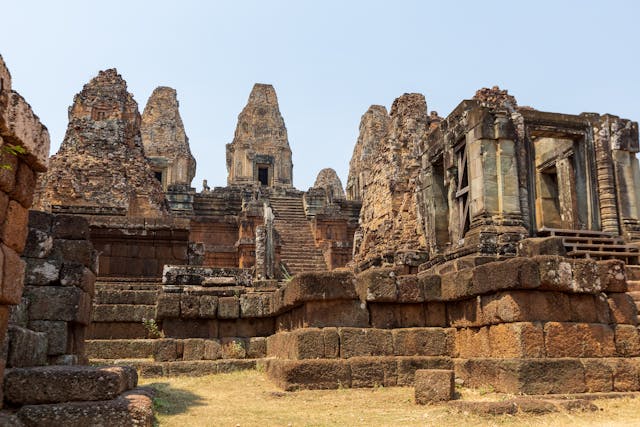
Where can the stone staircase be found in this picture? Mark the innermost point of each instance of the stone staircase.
(594, 244)
(299, 252)
(633, 282)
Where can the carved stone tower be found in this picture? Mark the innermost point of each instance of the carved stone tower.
(260, 153)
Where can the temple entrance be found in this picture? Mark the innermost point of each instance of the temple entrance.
(263, 175)
(562, 191)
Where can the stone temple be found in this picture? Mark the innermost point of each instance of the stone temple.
(497, 245)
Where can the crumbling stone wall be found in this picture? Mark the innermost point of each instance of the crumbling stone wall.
(48, 326)
(389, 219)
(19, 126)
(165, 142)
(100, 168)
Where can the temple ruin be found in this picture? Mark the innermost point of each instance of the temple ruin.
(499, 243)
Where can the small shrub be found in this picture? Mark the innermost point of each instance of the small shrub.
(153, 330)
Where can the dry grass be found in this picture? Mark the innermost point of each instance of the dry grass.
(247, 398)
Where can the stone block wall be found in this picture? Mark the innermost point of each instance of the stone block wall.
(19, 126)
(48, 326)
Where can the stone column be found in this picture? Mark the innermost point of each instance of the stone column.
(566, 193)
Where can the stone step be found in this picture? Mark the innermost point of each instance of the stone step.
(132, 408)
(117, 330)
(121, 348)
(633, 285)
(195, 368)
(57, 384)
(633, 272)
(635, 295)
(137, 297)
(122, 312)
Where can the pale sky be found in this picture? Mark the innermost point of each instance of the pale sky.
(328, 61)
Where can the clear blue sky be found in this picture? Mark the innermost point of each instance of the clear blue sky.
(328, 60)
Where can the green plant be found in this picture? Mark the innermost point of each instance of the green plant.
(12, 150)
(153, 330)
(285, 273)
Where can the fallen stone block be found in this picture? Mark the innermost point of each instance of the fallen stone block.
(133, 408)
(58, 384)
(433, 385)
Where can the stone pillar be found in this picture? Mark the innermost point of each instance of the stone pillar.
(566, 194)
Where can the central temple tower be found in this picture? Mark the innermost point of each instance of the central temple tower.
(260, 152)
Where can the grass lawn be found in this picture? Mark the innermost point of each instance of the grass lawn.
(248, 398)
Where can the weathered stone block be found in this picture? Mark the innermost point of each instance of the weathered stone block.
(256, 347)
(627, 340)
(625, 374)
(79, 251)
(228, 308)
(431, 286)
(41, 221)
(322, 314)
(622, 308)
(373, 371)
(42, 272)
(25, 184)
(423, 341)
(612, 275)
(365, 342)
(598, 375)
(118, 312)
(56, 333)
(166, 350)
(516, 273)
(8, 174)
(293, 375)
(434, 385)
(122, 348)
(254, 305)
(13, 231)
(233, 348)
(189, 306)
(54, 302)
(70, 227)
(525, 306)
(579, 340)
(523, 339)
(56, 384)
(38, 245)
(408, 365)
(168, 306)
(541, 246)
(377, 285)
(193, 349)
(212, 349)
(320, 286)
(74, 274)
(208, 307)
(409, 289)
(26, 348)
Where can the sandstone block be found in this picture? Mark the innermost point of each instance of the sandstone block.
(130, 408)
(73, 274)
(435, 314)
(467, 313)
(254, 305)
(612, 275)
(57, 384)
(38, 245)
(54, 302)
(423, 341)
(168, 306)
(515, 273)
(625, 374)
(320, 286)
(579, 340)
(407, 367)
(212, 349)
(365, 342)
(377, 285)
(208, 307)
(190, 328)
(598, 375)
(189, 306)
(8, 175)
(70, 227)
(13, 231)
(78, 251)
(456, 285)
(569, 275)
(256, 347)
(434, 385)
(622, 308)
(228, 308)
(323, 314)
(40, 221)
(388, 315)
(18, 315)
(431, 286)
(523, 339)
(193, 349)
(627, 340)
(473, 342)
(528, 376)
(56, 333)
(293, 375)
(26, 348)
(122, 348)
(166, 350)
(410, 289)
(525, 306)
(118, 312)
(42, 272)
(373, 371)
(24, 185)
(541, 246)
(233, 348)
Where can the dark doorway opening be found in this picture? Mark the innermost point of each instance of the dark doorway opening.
(158, 176)
(263, 175)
